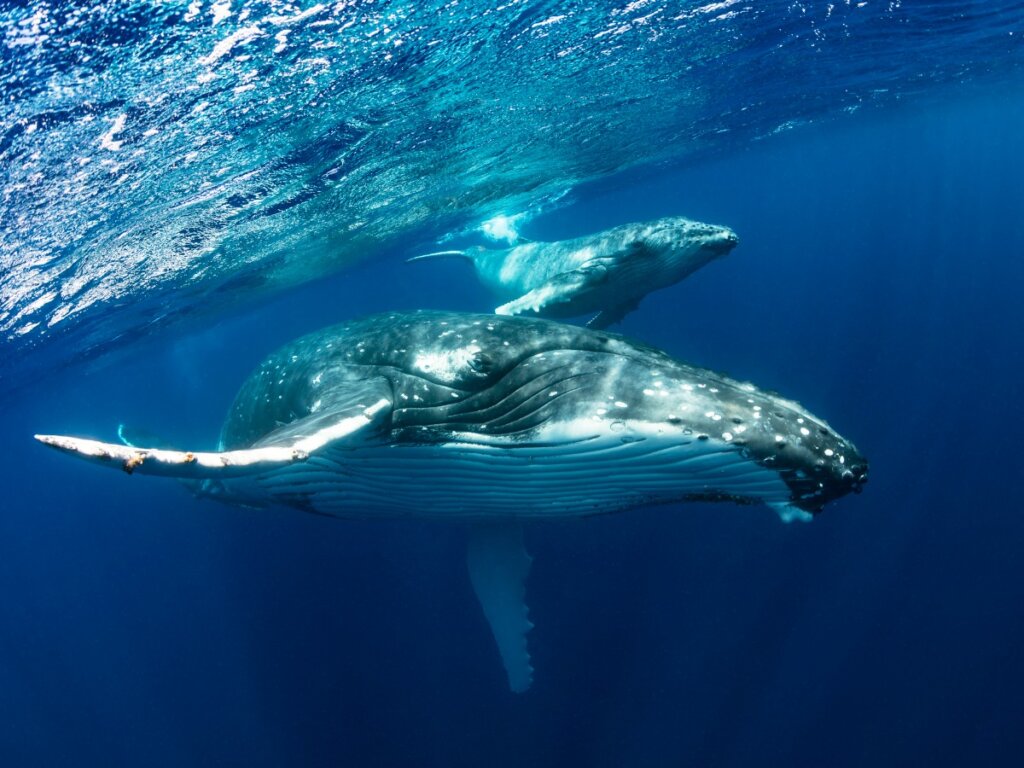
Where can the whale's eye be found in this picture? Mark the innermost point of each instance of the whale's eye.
(481, 363)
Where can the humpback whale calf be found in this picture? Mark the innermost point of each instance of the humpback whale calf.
(496, 420)
(607, 273)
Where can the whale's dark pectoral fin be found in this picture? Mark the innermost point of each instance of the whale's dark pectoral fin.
(498, 566)
(609, 317)
(560, 289)
(289, 445)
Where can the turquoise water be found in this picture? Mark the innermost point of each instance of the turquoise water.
(164, 161)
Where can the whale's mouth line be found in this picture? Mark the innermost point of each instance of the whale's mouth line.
(720, 246)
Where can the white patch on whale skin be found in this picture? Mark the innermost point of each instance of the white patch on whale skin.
(524, 267)
(582, 256)
(448, 366)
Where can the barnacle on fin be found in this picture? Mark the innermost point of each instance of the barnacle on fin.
(131, 463)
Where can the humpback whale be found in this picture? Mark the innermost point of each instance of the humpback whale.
(608, 273)
(497, 420)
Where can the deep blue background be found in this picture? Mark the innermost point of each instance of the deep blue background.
(878, 281)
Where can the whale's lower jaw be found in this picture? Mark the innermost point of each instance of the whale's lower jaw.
(502, 479)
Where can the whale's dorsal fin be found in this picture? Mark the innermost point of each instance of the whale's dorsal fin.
(560, 289)
(498, 565)
(293, 443)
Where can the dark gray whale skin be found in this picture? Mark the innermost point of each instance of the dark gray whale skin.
(502, 380)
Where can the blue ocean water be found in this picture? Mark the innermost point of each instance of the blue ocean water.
(876, 281)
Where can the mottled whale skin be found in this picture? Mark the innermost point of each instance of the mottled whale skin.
(494, 420)
(608, 273)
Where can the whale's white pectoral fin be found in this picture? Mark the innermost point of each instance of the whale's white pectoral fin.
(182, 464)
(788, 513)
(303, 439)
(560, 289)
(498, 565)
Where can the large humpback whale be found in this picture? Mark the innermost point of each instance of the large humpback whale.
(495, 420)
(608, 273)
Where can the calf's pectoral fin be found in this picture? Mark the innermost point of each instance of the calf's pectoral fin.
(198, 465)
(498, 565)
(560, 289)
